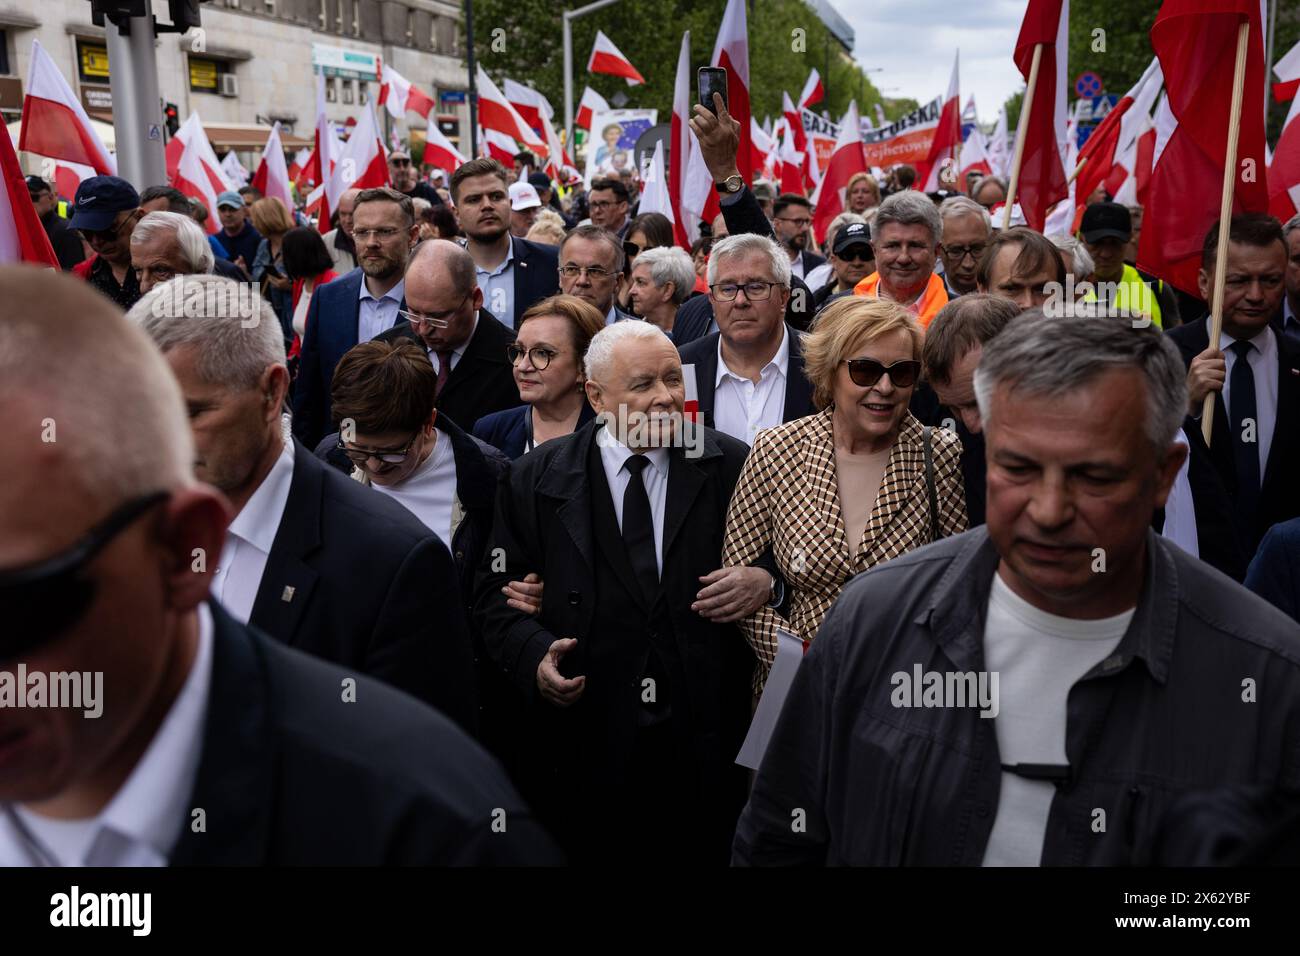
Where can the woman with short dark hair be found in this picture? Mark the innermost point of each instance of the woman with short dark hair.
(307, 262)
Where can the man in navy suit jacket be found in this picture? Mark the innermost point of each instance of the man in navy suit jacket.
(356, 307)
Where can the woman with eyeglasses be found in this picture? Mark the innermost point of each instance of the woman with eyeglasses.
(836, 493)
(547, 356)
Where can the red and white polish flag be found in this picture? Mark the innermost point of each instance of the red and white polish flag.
(1284, 173)
(272, 176)
(846, 162)
(592, 102)
(22, 237)
(813, 91)
(947, 137)
(528, 103)
(496, 113)
(401, 96)
(1042, 181)
(608, 59)
(364, 163)
(439, 150)
(54, 124)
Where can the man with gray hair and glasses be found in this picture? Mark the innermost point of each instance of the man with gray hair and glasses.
(967, 229)
(906, 234)
(1040, 690)
(311, 558)
(165, 245)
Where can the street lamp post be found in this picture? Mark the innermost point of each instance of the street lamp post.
(568, 17)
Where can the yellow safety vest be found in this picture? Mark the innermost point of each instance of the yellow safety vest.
(1135, 296)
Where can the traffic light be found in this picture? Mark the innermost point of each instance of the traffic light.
(172, 117)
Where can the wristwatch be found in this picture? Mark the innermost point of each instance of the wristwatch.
(732, 184)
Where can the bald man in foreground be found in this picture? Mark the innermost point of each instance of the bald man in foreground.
(194, 739)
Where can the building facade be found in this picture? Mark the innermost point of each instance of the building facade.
(253, 62)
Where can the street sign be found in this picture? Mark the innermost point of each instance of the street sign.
(1090, 112)
(155, 131)
(1087, 84)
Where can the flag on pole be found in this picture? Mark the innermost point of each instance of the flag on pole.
(1287, 70)
(731, 52)
(326, 196)
(272, 176)
(791, 173)
(234, 169)
(192, 135)
(881, 121)
(496, 113)
(974, 157)
(1196, 41)
(608, 59)
(1284, 173)
(947, 137)
(654, 187)
(299, 164)
(400, 95)
(499, 146)
(193, 178)
(364, 163)
(438, 149)
(22, 237)
(846, 162)
(813, 91)
(1000, 145)
(54, 123)
(1042, 180)
(684, 232)
(528, 103)
(592, 102)
(1117, 134)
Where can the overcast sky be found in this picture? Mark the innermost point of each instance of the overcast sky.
(915, 41)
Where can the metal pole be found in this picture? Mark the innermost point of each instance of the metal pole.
(1268, 52)
(137, 108)
(568, 77)
(567, 18)
(473, 72)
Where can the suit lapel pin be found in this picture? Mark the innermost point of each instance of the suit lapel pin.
(287, 594)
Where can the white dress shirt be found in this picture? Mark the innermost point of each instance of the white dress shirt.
(796, 265)
(249, 540)
(613, 454)
(142, 822)
(1180, 507)
(1264, 363)
(456, 353)
(740, 407)
(378, 315)
(498, 287)
(429, 492)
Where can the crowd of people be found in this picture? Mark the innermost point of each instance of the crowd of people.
(467, 528)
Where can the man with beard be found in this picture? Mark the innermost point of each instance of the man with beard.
(357, 307)
(405, 177)
(513, 273)
(791, 219)
(906, 234)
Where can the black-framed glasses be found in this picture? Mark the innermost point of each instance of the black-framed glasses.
(801, 223)
(389, 456)
(961, 252)
(437, 320)
(592, 272)
(399, 163)
(754, 291)
(605, 203)
(867, 372)
(41, 601)
(538, 356)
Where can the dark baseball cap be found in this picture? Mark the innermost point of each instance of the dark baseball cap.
(1106, 220)
(539, 181)
(854, 234)
(99, 200)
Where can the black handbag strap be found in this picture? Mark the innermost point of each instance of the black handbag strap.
(935, 534)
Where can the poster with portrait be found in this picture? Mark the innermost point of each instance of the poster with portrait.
(612, 144)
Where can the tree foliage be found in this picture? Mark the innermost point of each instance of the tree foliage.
(523, 39)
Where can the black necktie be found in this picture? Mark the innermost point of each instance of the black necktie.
(1245, 422)
(639, 529)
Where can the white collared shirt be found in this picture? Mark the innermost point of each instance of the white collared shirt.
(1264, 363)
(377, 316)
(142, 822)
(429, 492)
(742, 408)
(249, 539)
(796, 265)
(613, 454)
(1180, 507)
(456, 353)
(499, 287)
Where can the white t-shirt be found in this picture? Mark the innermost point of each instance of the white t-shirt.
(430, 490)
(1038, 657)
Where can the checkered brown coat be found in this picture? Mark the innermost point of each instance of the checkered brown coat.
(787, 497)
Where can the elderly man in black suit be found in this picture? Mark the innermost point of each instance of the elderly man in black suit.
(749, 374)
(513, 273)
(1255, 444)
(639, 688)
(212, 744)
(312, 558)
(464, 341)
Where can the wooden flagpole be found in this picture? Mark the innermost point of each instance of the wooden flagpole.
(1077, 170)
(1225, 214)
(1021, 127)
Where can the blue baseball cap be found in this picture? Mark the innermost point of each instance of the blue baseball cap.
(99, 199)
(232, 199)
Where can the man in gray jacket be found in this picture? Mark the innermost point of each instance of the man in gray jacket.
(1037, 691)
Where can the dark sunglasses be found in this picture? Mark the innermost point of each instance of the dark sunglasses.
(857, 254)
(41, 601)
(867, 372)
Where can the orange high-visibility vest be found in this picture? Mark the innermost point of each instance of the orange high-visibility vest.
(934, 298)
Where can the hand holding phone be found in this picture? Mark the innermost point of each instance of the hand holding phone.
(710, 80)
